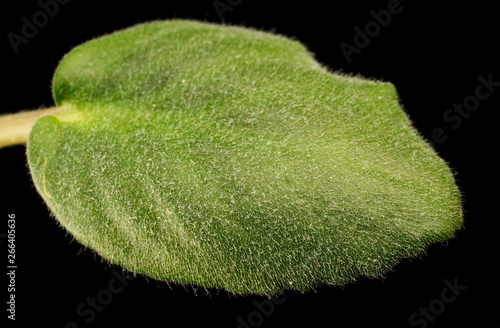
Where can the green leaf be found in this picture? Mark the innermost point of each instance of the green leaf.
(228, 157)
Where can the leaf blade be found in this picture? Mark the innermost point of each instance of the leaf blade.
(255, 173)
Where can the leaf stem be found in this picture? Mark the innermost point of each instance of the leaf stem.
(15, 128)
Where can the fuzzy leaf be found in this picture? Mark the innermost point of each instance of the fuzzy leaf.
(228, 157)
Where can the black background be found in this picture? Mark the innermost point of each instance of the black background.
(433, 54)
